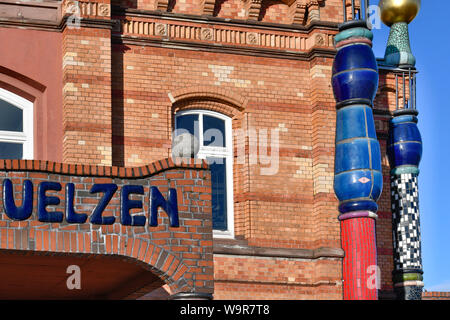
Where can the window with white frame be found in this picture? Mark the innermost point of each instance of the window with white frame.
(213, 131)
(16, 126)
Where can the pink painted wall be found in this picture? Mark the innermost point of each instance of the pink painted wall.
(31, 61)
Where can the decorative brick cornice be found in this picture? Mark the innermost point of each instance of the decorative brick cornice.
(150, 29)
(243, 249)
(253, 8)
(314, 3)
(102, 171)
(228, 49)
(43, 11)
(120, 13)
(299, 13)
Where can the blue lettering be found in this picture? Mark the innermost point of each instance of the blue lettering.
(126, 205)
(71, 215)
(170, 207)
(157, 200)
(18, 213)
(44, 201)
(108, 189)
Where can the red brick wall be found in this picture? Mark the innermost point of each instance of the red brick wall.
(260, 278)
(233, 9)
(295, 208)
(333, 10)
(181, 256)
(123, 84)
(148, 112)
(434, 295)
(87, 96)
(275, 11)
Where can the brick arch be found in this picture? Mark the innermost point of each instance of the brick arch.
(20, 84)
(158, 250)
(209, 98)
(168, 267)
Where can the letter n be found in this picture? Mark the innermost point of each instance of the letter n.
(170, 207)
(18, 213)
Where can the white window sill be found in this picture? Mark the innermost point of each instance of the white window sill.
(223, 234)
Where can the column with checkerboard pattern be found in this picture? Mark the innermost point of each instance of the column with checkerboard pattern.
(404, 151)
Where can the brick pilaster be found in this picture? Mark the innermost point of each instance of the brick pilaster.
(87, 84)
(323, 127)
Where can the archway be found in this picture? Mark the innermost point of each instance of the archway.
(29, 275)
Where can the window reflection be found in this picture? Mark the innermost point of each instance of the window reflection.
(188, 122)
(219, 192)
(11, 150)
(11, 117)
(213, 131)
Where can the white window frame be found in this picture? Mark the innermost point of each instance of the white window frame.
(27, 136)
(219, 152)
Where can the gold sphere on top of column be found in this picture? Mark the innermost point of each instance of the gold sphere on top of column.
(393, 11)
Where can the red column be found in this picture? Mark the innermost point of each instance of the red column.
(360, 261)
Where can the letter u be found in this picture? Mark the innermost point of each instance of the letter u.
(12, 211)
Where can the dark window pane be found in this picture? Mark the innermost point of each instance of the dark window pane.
(213, 131)
(11, 117)
(188, 122)
(219, 192)
(11, 150)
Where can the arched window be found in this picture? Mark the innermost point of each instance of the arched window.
(16, 126)
(213, 131)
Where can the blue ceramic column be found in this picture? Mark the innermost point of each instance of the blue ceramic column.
(358, 178)
(404, 152)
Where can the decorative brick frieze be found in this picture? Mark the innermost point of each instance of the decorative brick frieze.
(148, 29)
(88, 9)
(207, 34)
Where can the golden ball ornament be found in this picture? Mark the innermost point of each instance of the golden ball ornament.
(393, 11)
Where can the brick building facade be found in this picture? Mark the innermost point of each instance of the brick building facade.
(107, 80)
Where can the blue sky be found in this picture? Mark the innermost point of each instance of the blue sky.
(430, 43)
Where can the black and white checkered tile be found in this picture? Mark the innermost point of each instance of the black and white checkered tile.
(406, 221)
